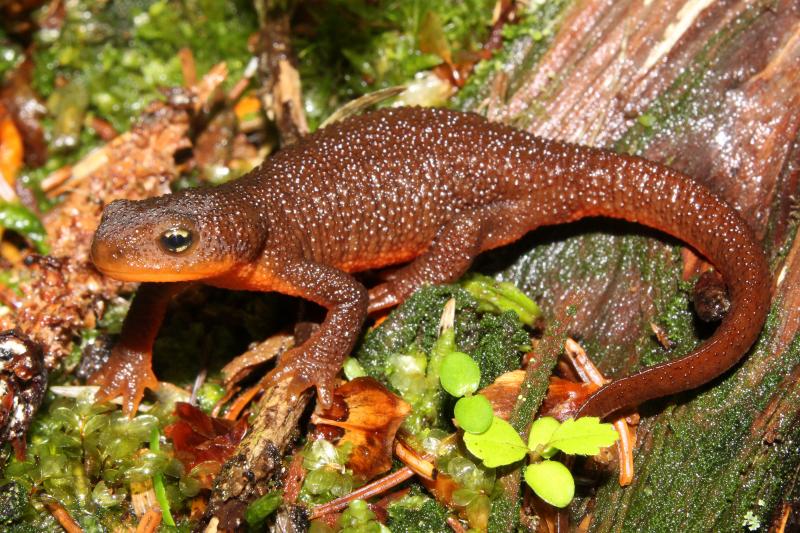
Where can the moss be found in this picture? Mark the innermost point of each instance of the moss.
(398, 351)
(13, 501)
(348, 48)
(11, 55)
(417, 513)
(136, 41)
(86, 456)
(687, 99)
(524, 43)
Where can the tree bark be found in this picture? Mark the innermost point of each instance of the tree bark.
(711, 88)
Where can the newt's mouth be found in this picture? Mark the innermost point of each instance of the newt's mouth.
(141, 276)
(107, 259)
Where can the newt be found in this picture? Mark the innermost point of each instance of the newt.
(432, 188)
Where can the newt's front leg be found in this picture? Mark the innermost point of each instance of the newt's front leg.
(129, 370)
(316, 362)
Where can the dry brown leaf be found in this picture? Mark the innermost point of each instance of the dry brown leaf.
(369, 416)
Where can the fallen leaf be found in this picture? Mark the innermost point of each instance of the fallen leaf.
(564, 397)
(503, 392)
(199, 438)
(369, 419)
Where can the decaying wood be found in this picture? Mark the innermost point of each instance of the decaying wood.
(247, 474)
(64, 293)
(281, 92)
(710, 88)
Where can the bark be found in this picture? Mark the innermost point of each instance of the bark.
(245, 476)
(711, 88)
(281, 91)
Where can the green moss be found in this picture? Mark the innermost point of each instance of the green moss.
(417, 513)
(524, 43)
(353, 47)
(687, 100)
(102, 43)
(13, 501)
(86, 455)
(326, 477)
(359, 518)
(399, 352)
(11, 55)
(496, 344)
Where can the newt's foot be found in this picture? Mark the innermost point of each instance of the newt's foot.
(383, 296)
(127, 373)
(304, 370)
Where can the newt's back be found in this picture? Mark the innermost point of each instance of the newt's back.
(375, 189)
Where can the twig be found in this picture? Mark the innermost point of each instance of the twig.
(455, 525)
(239, 87)
(367, 491)
(198, 382)
(188, 67)
(150, 521)
(62, 515)
(245, 476)
(420, 465)
(353, 107)
(241, 402)
(589, 373)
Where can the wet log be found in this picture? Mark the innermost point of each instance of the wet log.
(710, 88)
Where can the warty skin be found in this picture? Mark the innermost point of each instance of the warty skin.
(430, 186)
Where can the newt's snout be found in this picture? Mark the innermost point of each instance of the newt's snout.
(102, 254)
(106, 253)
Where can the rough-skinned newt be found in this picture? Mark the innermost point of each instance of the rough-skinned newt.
(429, 186)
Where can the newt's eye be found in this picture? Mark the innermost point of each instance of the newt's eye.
(176, 240)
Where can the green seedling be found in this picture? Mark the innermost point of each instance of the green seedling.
(495, 442)
(550, 480)
(459, 374)
(474, 414)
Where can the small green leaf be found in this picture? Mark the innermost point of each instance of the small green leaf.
(463, 497)
(551, 481)
(584, 436)
(158, 483)
(459, 374)
(500, 296)
(541, 431)
(17, 218)
(261, 508)
(474, 414)
(497, 446)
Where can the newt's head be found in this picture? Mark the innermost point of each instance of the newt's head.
(177, 237)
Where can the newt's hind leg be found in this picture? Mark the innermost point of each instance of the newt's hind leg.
(129, 370)
(452, 251)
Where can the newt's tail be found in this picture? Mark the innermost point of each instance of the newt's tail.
(637, 190)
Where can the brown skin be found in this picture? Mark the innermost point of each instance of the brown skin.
(431, 185)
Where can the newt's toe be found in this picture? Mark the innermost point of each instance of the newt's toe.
(305, 372)
(126, 374)
(382, 297)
